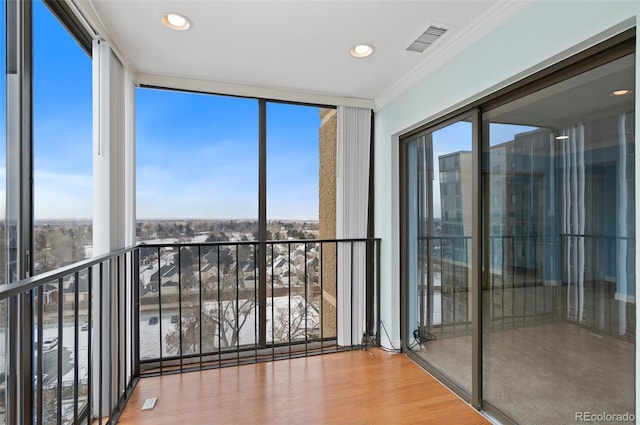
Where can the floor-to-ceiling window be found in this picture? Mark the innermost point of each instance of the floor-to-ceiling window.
(45, 121)
(3, 185)
(292, 170)
(62, 144)
(62, 205)
(232, 174)
(197, 181)
(555, 293)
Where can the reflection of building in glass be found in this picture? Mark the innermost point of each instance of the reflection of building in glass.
(455, 193)
(558, 238)
(521, 186)
(455, 246)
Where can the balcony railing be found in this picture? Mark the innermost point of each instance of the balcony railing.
(529, 279)
(80, 336)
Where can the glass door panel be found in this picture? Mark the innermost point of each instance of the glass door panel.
(439, 183)
(559, 282)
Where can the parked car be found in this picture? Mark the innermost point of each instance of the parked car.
(174, 318)
(50, 343)
(84, 326)
(153, 320)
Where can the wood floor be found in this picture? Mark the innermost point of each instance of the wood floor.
(357, 387)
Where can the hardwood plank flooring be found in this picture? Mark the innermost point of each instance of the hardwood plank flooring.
(356, 387)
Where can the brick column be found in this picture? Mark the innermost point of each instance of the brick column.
(327, 217)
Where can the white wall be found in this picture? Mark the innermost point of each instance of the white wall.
(544, 32)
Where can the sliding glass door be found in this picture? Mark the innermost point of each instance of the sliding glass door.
(543, 329)
(559, 316)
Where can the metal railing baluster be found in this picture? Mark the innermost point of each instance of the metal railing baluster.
(180, 342)
(289, 298)
(89, 344)
(39, 355)
(200, 305)
(236, 329)
(351, 298)
(119, 328)
(321, 320)
(100, 336)
(76, 343)
(273, 306)
(306, 306)
(219, 310)
(256, 313)
(160, 310)
(110, 334)
(59, 348)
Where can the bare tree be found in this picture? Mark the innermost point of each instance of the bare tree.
(301, 319)
(229, 316)
(218, 324)
(225, 301)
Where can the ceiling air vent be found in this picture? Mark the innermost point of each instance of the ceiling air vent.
(426, 39)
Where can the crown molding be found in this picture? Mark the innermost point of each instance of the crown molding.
(232, 89)
(452, 46)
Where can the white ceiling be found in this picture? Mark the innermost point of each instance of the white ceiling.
(291, 46)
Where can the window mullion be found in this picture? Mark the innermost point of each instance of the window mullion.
(19, 213)
(262, 223)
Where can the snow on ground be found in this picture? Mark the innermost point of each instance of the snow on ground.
(152, 334)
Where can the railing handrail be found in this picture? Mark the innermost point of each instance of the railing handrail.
(254, 242)
(531, 236)
(29, 283)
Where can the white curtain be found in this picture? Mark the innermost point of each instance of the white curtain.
(573, 218)
(573, 184)
(622, 229)
(114, 152)
(352, 192)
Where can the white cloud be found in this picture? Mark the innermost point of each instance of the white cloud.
(62, 195)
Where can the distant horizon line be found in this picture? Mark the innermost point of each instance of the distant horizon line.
(177, 219)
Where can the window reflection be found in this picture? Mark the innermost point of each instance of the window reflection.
(559, 292)
(439, 218)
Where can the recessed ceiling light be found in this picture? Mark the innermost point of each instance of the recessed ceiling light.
(361, 51)
(621, 92)
(176, 21)
(562, 137)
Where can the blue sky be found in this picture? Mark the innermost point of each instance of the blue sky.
(197, 155)
(62, 121)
